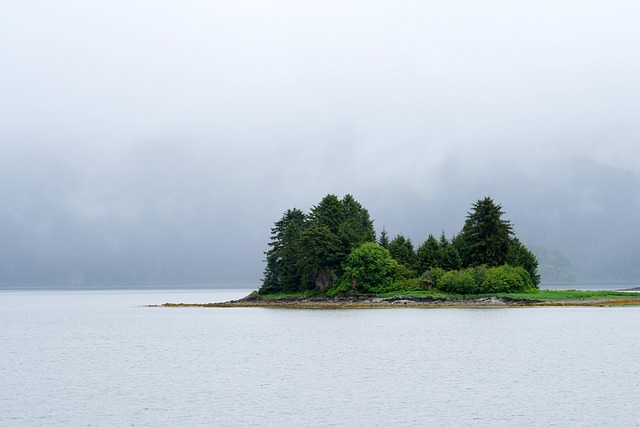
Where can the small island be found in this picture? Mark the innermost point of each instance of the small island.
(544, 299)
(330, 258)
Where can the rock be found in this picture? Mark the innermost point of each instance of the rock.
(253, 296)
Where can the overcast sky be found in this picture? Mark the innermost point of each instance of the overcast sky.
(204, 120)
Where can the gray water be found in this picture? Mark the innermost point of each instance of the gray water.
(100, 358)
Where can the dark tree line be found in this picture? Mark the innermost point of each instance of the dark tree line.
(432, 253)
(307, 250)
(312, 251)
(486, 239)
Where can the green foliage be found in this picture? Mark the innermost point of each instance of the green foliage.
(435, 274)
(383, 240)
(557, 295)
(369, 268)
(485, 237)
(408, 290)
(328, 213)
(406, 285)
(448, 256)
(289, 295)
(333, 250)
(506, 279)
(482, 280)
(357, 221)
(433, 253)
(319, 247)
(404, 273)
(347, 221)
(401, 249)
(306, 252)
(342, 286)
(519, 255)
(284, 260)
(428, 254)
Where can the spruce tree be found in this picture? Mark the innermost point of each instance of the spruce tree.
(448, 256)
(485, 237)
(428, 254)
(383, 240)
(401, 249)
(519, 256)
(283, 271)
(335, 227)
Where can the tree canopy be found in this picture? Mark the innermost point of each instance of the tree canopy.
(333, 249)
(485, 237)
(307, 250)
(368, 268)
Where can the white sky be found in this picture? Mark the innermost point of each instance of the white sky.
(441, 74)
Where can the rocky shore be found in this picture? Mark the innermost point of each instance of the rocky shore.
(401, 301)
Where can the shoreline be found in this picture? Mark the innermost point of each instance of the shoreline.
(254, 301)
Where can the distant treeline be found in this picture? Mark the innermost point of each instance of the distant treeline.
(333, 249)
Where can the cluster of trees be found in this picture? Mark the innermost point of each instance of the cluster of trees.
(307, 251)
(432, 253)
(334, 249)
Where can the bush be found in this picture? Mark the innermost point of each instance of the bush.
(482, 280)
(342, 286)
(407, 285)
(368, 268)
(507, 279)
(435, 274)
(447, 281)
(426, 281)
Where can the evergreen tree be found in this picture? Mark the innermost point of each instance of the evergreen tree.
(329, 213)
(312, 251)
(519, 256)
(291, 260)
(485, 237)
(428, 254)
(320, 257)
(335, 228)
(383, 240)
(448, 256)
(401, 249)
(356, 227)
(283, 270)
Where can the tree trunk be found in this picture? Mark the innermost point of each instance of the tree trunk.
(325, 278)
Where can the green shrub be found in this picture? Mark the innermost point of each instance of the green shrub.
(436, 275)
(506, 279)
(426, 281)
(368, 268)
(342, 286)
(483, 280)
(465, 282)
(447, 281)
(479, 274)
(403, 273)
(407, 285)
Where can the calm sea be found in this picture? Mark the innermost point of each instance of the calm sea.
(94, 358)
